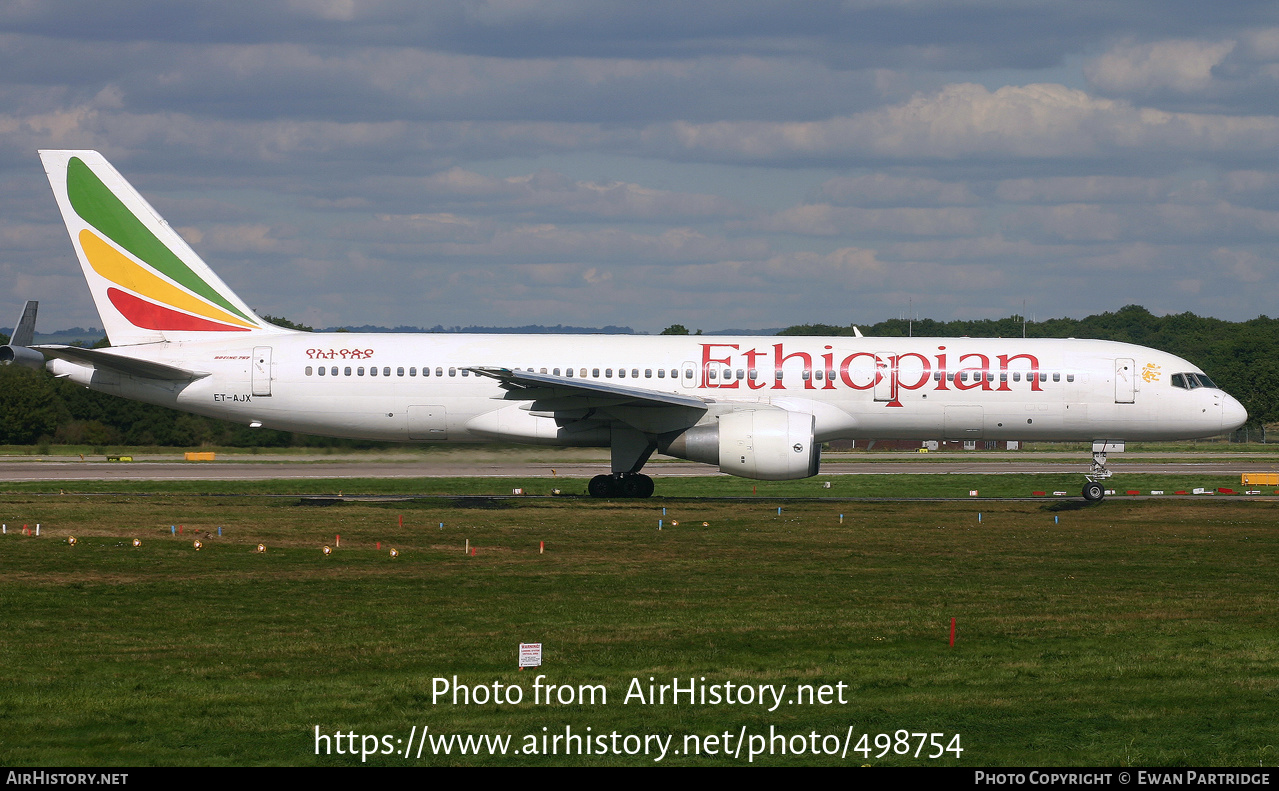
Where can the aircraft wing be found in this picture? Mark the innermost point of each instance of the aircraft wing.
(143, 369)
(551, 392)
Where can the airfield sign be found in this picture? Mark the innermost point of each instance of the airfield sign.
(530, 655)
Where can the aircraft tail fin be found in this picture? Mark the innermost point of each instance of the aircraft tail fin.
(147, 282)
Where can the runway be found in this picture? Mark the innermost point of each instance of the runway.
(250, 469)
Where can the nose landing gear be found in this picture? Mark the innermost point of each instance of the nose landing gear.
(1093, 490)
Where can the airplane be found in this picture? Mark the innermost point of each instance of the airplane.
(755, 407)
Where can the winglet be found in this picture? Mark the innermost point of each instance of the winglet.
(24, 331)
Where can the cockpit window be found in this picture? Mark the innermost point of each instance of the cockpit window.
(1189, 381)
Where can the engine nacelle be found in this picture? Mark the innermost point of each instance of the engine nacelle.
(21, 355)
(765, 444)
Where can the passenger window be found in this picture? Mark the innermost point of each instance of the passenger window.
(1042, 377)
(688, 373)
(452, 371)
(334, 371)
(1070, 377)
(542, 371)
(937, 375)
(752, 373)
(661, 373)
(990, 376)
(360, 371)
(778, 374)
(372, 372)
(595, 372)
(1016, 376)
(465, 372)
(621, 373)
(648, 373)
(413, 371)
(818, 373)
(741, 374)
(1056, 376)
(675, 373)
(711, 373)
(608, 373)
(963, 376)
(321, 371)
(1003, 377)
(568, 371)
(308, 370)
(635, 373)
(347, 370)
(386, 371)
(440, 371)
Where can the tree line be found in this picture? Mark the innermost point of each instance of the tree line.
(1242, 357)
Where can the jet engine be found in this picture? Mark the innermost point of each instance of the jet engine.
(21, 355)
(765, 444)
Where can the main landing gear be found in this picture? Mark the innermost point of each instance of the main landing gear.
(1093, 489)
(621, 484)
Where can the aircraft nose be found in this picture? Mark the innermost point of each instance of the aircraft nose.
(1233, 415)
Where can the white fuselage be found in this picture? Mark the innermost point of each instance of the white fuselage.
(855, 388)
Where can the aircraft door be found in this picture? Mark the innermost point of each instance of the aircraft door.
(428, 422)
(261, 373)
(1125, 380)
(963, 422)
(688, 374)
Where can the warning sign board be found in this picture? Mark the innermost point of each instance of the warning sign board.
(530, 654)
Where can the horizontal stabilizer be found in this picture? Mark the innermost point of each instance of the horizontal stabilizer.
(130, 366)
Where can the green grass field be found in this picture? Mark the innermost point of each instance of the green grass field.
(1130, 633)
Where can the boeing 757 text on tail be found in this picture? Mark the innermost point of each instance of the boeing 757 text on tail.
(756, 407)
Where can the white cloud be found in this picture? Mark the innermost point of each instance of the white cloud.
(825, 220)
(966, 120)
(1180, 65)
(883, 189)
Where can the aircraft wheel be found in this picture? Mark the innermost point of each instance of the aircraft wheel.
(601, 486)
(636, 486)
(646, 486)
(1093, 492)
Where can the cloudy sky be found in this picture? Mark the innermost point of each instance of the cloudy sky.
(721, 164)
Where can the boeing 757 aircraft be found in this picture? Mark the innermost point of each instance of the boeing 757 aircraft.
(756, 407)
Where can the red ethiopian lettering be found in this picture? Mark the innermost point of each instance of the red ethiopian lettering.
(780, 360)
(923, 377)
(1005, 359)
(981, 380)
(848, 379)
(707, 360)
(750, 363)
